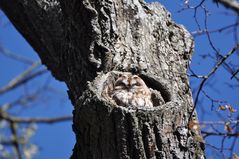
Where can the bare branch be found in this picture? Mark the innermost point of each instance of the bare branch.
(14, 56)
(232, 4)
(219, 134)
(22, 100)
(234, 74)
(218, 150)
(217, 122)
(41, 120)
(220, 62)
(23, 78)
(202, 32)
(15, 139)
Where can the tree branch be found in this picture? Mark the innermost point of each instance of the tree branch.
(23, 78)
(219, 134)
(218, 122)
(15, 139)
(214, 69)
(232, 4)
(42, 120)
(14, 56)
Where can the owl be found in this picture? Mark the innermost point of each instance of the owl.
(130, 90)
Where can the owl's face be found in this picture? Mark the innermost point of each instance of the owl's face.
(129, 82)
(130, 90)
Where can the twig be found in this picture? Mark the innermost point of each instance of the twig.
(218, 122)
(202, 32)
(23, 78)
(218, 150)
(15, 139)
(39, 120)
(234, 5)
(234, 74)
(209, 75)
(42, 120)
(22, 100)
(14, 56)
(219, 134)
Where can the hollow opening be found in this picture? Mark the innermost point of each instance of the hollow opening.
(159, 86)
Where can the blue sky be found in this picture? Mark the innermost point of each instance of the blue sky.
(57, 140)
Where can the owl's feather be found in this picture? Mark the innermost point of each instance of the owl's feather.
(130, 90)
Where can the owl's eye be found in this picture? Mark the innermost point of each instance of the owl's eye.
(120, 83)
(136, 84)
(135, 77)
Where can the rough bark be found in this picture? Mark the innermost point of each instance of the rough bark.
(85, 43)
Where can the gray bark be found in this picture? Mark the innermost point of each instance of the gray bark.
(85, 43)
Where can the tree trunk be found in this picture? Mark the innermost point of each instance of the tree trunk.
(87, 44)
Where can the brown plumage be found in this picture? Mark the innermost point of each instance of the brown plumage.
(130, 90)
